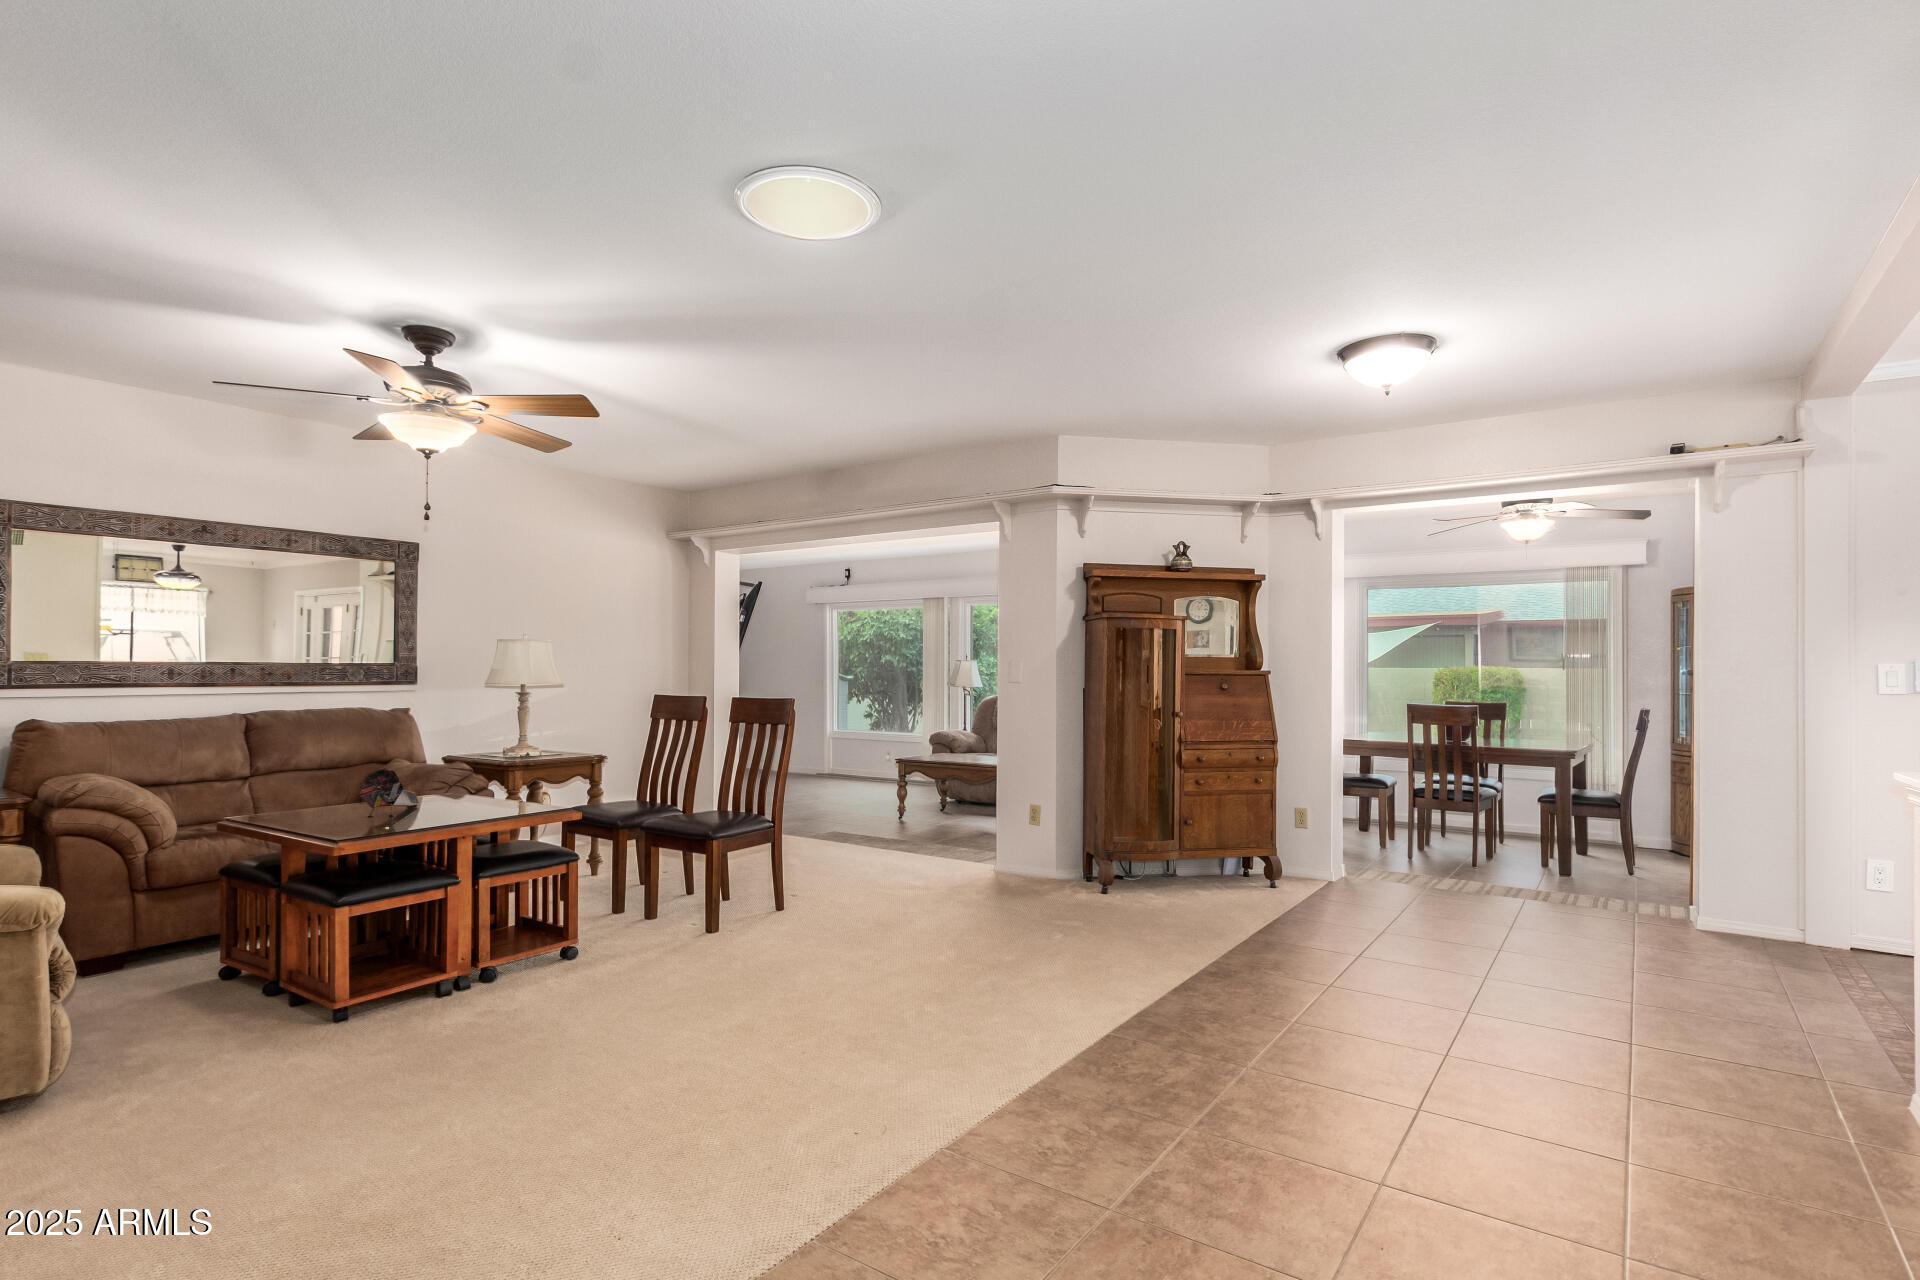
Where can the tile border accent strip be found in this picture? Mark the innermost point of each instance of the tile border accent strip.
(1657, 910)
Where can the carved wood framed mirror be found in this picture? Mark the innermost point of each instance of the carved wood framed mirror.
(117, 599)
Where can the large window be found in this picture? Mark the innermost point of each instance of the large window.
(140, 623)
(1545, 644)
(879, 663)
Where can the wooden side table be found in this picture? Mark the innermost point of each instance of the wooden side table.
(526, 778)
(13, 817)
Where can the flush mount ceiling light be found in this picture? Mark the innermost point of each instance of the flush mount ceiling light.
(807, 203)
(1388, 360)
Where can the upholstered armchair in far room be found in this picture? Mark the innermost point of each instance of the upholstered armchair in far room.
(985, 737)
(36, 976)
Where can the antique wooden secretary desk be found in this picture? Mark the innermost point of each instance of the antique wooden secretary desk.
(1179, 719)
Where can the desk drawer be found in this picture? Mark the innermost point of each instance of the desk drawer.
(1226, 757)
(1210, 780)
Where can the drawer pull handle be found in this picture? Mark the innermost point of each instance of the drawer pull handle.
(1225, 685)
(1186, 822)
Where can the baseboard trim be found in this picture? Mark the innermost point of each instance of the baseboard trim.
(1892, 946)
(1775, 932)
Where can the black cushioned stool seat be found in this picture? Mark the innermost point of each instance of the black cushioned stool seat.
(515, 856)
(352, 889)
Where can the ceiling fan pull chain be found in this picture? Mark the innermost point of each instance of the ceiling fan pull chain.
(426, 510)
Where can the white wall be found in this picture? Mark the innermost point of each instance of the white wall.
(786, 651)
(1668, 534)
(516, 546)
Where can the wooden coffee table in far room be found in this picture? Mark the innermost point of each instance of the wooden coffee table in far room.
(962, 766)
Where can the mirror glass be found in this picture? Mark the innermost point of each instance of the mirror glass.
(81, 598)
(1213, 625)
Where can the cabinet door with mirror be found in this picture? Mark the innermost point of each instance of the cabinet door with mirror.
(117, 599)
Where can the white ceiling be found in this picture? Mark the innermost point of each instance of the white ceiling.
(1119, 218)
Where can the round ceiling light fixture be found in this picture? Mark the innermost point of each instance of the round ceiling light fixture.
(1388, 360)
(426, 428)
(177, 578)
(807, 203)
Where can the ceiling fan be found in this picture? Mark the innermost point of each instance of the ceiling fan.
(431, 409)
(1530, 519)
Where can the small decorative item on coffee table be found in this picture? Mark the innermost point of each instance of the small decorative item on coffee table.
(526, 778)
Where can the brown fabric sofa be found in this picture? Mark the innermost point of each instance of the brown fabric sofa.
(123, 812)
(985, 737)
(36, 976)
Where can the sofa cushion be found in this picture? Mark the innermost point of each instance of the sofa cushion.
(329, 738)
(145, 752)
(310, 788)
(198, 803)
(196, 855)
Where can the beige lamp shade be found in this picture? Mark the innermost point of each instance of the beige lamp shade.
(965, 674)
(523, 662)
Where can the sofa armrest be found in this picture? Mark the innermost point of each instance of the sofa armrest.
(133, 805)
(438, 779)
(36, 975)
(957, 742)
(24, 909)
(19, 865)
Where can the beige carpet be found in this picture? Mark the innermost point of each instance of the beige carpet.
(669, 1105)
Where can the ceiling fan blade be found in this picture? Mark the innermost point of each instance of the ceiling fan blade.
(1465, 519)
(1602, 513)
(388, 372)
(508, 430)
(305, 391)
(376, 432)
(541, 406)
(1469, 522)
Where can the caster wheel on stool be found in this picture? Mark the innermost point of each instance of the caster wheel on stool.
(339, 1015)
(295, 1001)
(1104, 888)
(272, 989)
(489, 974)
(569, 953)
(462, 982)
(228, 973)
(442, 988)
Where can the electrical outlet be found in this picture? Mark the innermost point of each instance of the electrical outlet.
(1033, 815)
(1880, 875)
(1300, 818)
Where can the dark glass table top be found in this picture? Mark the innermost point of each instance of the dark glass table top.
(340, 823)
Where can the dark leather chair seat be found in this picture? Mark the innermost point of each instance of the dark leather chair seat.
(1447, 790)
(621, 814)
(516, 856)
(1381, 780)
(711, 824)
(263, 870)
(1596, 799)
(372, 884)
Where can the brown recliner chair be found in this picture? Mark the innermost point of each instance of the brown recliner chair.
(985, 737)
(124, 812)
(36, 976)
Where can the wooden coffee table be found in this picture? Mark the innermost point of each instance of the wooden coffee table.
(963, 766)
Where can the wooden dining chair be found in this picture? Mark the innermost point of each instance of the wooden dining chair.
(753, 794)
(1368, 787)
(676, 739)
(1493, 717)
(1617, 805)
(1444, 772)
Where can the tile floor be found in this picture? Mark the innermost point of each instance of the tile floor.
(1411, 1080)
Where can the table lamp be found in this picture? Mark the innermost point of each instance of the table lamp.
(525, 664)
(965, 675)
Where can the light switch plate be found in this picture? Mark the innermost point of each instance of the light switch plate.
(1895, 677)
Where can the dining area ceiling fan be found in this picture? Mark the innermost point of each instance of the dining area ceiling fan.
(1530, 519)
(431, 409)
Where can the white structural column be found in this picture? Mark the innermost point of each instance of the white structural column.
(1748, 760)
(1833, 855)
(1306, 618)
(714, 654)
(1910, 783)
(1041, 660)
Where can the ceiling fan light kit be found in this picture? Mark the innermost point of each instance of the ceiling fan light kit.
(1531, 519)
(1387, 360)
(177, 578)
(430, 409)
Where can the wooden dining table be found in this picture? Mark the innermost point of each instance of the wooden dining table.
(1569, 765)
